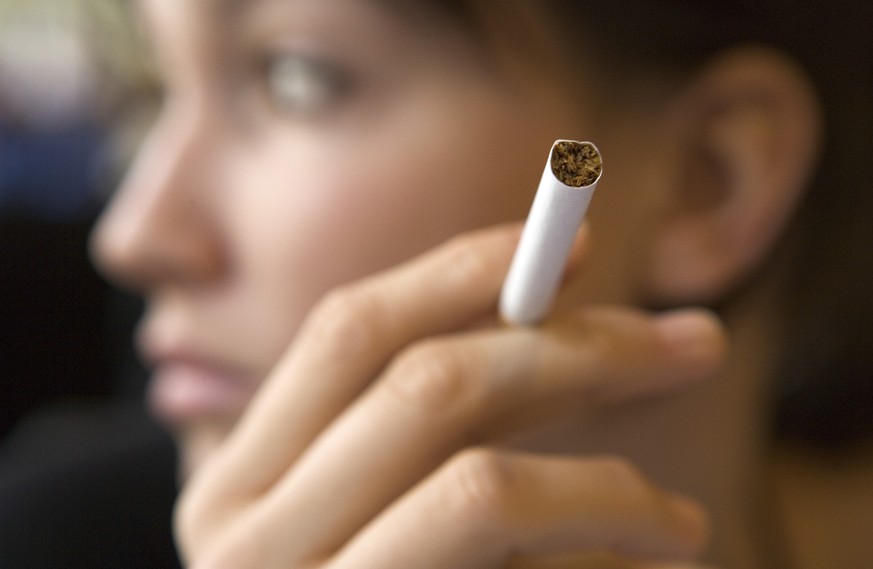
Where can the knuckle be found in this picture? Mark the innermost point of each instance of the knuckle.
(347, 317)
(602, 344)
(623, 476)
(191, 522)
(468, 265)
(235, 554)
(431, 375)
(201, 527)
(477, 486)
(184, 523)
(601, 357)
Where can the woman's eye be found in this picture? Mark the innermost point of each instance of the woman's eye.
(305, 85)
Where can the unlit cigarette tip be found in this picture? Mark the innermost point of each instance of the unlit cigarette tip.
(570, 176)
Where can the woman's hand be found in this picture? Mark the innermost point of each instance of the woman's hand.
(375, 441)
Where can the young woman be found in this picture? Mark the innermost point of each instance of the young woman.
(321, 219)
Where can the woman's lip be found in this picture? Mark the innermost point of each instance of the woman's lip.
(181, 392)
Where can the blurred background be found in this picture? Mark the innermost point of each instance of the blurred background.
(68, 70)
(86, 478)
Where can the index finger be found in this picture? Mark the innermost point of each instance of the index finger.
(346, 341)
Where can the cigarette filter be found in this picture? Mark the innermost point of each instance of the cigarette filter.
(571, 174)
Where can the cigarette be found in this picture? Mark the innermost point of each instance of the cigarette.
(571, 174)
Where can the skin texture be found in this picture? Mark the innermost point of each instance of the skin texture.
(314, 243)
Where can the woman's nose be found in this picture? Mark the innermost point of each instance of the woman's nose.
(161, 226)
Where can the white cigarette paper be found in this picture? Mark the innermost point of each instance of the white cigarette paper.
(571, 174)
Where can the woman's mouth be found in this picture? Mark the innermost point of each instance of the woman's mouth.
(182, 392)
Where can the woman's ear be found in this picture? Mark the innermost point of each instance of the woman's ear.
(745, 135)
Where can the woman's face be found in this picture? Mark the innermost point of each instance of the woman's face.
(303, 144)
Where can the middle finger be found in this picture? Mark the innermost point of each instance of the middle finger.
(442, 395)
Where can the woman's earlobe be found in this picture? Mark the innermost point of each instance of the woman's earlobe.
(746, 136)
